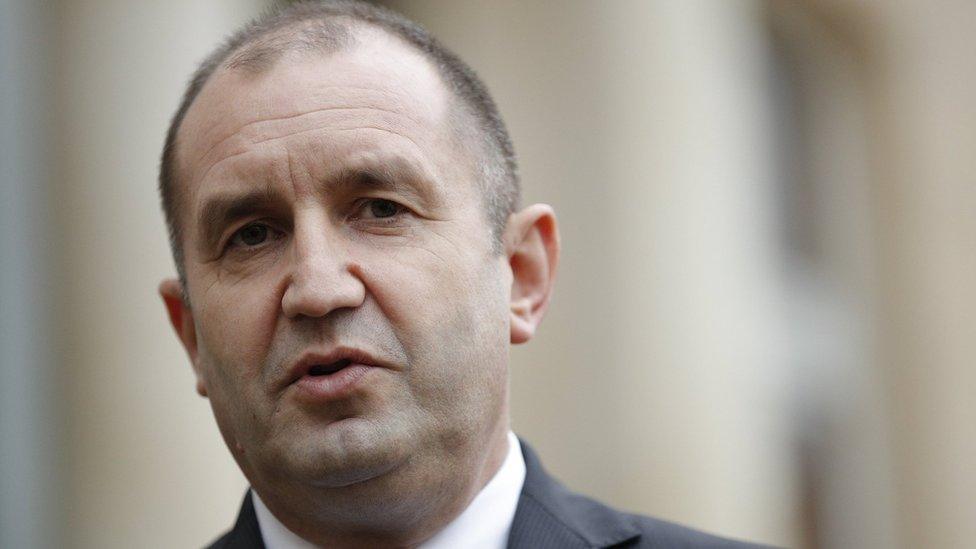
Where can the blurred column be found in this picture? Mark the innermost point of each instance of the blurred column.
(146, 464)
(700, 328)
(29, 446)
(924, 85)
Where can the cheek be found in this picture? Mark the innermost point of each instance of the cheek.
(430, 295)
(235, 327)
(234, 333)
(452, 317)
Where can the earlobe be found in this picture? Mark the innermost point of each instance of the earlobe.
(532, 247)
(181, 318)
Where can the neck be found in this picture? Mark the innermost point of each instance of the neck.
(402, 508)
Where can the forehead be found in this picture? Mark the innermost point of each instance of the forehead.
(379, 84)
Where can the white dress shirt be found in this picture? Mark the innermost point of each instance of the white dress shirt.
(484, 524)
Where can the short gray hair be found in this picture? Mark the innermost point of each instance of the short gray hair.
(325, 25)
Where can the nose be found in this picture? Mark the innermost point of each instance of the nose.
(324, 277)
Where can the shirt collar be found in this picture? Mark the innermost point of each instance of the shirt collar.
(484, 524)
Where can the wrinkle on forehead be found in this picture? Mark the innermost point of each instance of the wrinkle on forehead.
(242, 131)
(379, 83)
(240, 144)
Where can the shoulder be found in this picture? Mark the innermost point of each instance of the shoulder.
(659, 533)
(550, 515)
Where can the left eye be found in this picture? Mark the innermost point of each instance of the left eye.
(381, 208)
(251, 235)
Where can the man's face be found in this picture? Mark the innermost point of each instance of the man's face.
(351, 318)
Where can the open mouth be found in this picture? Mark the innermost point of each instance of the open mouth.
(328, 369)
(329, 376)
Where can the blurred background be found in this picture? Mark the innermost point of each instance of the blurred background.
(763, 325)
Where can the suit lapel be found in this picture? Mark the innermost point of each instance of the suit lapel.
(549, 515)
(246, 533)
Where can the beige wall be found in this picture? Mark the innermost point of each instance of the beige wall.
(923, 88)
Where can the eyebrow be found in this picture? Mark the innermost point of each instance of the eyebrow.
(398, 176)
(223, 209)
(393, 175)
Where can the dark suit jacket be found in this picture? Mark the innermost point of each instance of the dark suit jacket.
(548, 516)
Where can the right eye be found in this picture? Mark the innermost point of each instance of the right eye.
(251, 235)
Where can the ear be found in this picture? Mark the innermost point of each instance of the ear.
(532, 246)
(181, 317)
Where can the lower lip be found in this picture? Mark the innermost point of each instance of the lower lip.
(335, 385)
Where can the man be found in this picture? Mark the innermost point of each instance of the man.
(342, 201)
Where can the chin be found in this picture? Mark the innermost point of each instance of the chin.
(351, 451)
